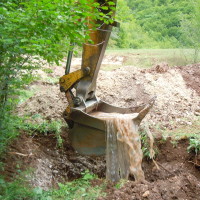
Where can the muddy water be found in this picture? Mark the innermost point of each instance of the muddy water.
(123, 151)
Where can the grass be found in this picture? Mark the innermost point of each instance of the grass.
(25, 95)
(110, 67)
(146, 58)
(190, 132)
(184, 131)
(43, 127)
(194, 144)
(51, 80)
(79, 189)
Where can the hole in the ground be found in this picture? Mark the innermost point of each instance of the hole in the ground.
(53, 165)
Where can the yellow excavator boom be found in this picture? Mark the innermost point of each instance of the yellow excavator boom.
(87, 133)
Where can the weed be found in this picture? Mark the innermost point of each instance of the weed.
(194, 144)
(8, 130)
(79, 189)
(146, 146)
(47, 70)
(43, 127)
(18, 189)
(174, 143)
(25, 95)
(120, 183)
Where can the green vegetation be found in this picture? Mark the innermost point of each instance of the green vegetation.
(130, 34)
(157, 24)
(184, 131)
(80, 189)
(120, 183)
(43, 127)
(8, 130)
(32, 33)
(148, 152)
(146, 58)
(192, 133)
(194, 144)
(18, 189)
(191, 30)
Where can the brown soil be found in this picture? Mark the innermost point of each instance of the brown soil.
(191, 75)
(177, 178)
(48, 163)
(178, 98)
(177, 90)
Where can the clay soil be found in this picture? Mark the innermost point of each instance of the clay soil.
(178, 100)
(177, 177)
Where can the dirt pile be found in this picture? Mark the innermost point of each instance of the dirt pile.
(191, 75)
(177, 92)
(178, 101)
(177, 178)
(48, 102)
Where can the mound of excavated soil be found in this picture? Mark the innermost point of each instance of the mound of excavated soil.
(177, 90)
(184, 186)
(48, 102)
(51, 164)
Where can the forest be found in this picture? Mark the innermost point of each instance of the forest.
(157, 24)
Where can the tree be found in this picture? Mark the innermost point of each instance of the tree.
(32, 31)
(130, 34)
(161, 19)
(191, 30)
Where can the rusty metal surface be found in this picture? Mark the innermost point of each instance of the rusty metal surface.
(92, 57)
(87, 140)
(93, 54)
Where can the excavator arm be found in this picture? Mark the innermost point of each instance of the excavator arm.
(93, 52)
(87, 133)
(84, 80)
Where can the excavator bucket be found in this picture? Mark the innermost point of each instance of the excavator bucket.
(87, 133)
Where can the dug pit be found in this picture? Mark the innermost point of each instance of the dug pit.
(177, 177)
